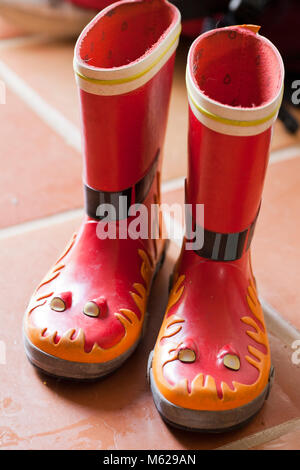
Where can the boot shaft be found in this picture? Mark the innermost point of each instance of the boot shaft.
(235, 84)
(124, 63)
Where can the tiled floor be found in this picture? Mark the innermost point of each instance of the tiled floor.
(40, 188)
(40, 173)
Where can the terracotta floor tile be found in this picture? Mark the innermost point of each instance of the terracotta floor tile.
(48, 68)
(175, 162)
(173, 197)
(281, 137)
(276, 251)
(40, 174)
(8, 30)
(115, 412)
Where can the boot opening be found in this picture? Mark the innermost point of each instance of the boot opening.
(236, 67)
(126, 33)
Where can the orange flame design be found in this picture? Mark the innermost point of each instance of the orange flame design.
(72, 349)
(203, 393)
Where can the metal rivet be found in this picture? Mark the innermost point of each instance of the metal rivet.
(91, 309)
(187, 355)
(232, 362)
(57, 304)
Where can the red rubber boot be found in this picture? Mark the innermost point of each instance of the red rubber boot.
(87, 315)
(211, 366)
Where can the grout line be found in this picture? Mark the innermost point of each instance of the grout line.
(40, 223)
(276, 156)
(23, 41)
(287, 153)
(263, 437)
(71, 214)
(55, 120)
(175, 230)
(173, 184)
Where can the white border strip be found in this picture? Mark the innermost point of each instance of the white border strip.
(124, 73)
(228, 129)
(198, 99)
(287, 153)
(263, 437)
(44, 222)
(24, 41)
(121, 88)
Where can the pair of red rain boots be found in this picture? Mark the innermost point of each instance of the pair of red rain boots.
(210, 369)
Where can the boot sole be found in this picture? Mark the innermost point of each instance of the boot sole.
(206, 421)
(83, 371)
(71, 370)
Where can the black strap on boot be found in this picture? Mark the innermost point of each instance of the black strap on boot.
(219, 246)
(120, 200)
(226, 246)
